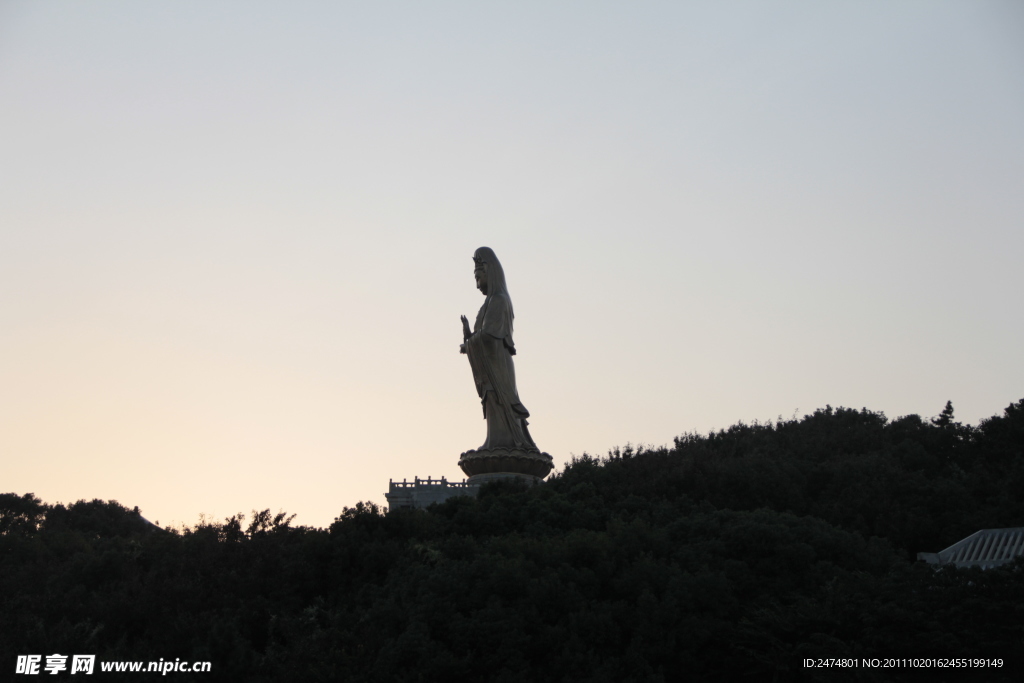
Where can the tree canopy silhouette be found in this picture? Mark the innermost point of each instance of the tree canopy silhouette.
(729, 556)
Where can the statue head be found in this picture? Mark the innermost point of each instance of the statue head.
(490, 278)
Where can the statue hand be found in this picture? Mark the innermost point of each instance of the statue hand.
(466, 332)
(462, 348)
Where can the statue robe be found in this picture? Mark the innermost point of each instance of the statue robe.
(490, 349)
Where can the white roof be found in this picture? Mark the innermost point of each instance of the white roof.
(986, 548)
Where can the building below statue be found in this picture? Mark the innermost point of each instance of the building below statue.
(419, 494)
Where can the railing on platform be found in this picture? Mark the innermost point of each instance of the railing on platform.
(416, 482)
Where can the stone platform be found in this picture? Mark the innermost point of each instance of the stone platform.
(421, 493)
(481, 466)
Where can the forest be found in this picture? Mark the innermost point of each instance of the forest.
(730, 556)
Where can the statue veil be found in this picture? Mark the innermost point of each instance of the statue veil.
(496, 315)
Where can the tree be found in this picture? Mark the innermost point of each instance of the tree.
(945, 418)
(21, 514)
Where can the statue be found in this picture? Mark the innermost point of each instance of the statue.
(508, 450)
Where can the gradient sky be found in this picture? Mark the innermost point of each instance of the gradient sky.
(236, 237)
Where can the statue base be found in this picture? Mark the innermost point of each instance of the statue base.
(507, 462)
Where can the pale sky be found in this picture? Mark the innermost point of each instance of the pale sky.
(236, 237)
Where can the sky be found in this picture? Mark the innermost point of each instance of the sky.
(236, 237)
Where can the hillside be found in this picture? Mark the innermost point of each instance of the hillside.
(729, 556)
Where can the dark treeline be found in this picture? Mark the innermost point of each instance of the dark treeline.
(728, 557)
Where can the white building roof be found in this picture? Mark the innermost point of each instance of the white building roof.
(986, 548)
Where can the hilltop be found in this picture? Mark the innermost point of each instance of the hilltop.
(727, 556)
